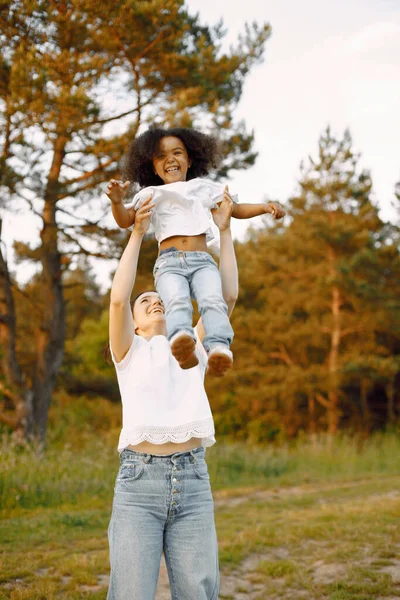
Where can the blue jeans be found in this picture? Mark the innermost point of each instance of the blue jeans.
(163, 503)
(180, 276)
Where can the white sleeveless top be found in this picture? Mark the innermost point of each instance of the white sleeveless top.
(183, 207)
(160, 401)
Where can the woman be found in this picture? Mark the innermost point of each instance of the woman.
(162, 499)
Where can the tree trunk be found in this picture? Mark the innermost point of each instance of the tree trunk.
(333, 394)
(312, 424)
(391, 416)
(50, 333)
(12, 387)
(366, 413)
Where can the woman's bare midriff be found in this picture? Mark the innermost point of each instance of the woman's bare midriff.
(186, 243)
(168, 448)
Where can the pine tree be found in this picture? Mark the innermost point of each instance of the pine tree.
(79, 80)
(317, 322)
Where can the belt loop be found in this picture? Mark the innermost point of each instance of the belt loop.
(192, 458)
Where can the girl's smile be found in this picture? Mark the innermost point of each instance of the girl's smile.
(171, 160)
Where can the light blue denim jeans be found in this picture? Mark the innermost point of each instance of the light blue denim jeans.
(163, 503)
(180, 276)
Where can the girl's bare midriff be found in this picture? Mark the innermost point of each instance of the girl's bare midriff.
(168, 448)
(185, 243)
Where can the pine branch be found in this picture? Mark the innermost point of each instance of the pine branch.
(83, 250)
(88, 174)
(9, 393)
(29, 299)
(30, 204)
(12, 422)
(348, 331)
(73, 216)
(282, 355)
(320, 398)
(89, 186)
(109, 119)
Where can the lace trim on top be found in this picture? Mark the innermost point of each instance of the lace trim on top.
(161, 434)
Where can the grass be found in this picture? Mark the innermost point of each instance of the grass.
(315, 520)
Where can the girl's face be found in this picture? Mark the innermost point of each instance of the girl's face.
(171, 161)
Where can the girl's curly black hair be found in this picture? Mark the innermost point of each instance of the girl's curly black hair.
(203, 151)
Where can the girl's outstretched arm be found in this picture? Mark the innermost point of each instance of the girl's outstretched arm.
(121, 327)
(247, 211)
(125, 217)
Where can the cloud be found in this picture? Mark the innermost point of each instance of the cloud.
(377, 41)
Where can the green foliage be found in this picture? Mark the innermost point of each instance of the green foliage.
(317, 327)
(277, 568)
(87, 347)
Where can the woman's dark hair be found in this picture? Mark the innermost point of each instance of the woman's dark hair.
(203, 151)
(106, 349)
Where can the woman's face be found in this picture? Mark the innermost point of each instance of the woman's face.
(171, 161)
(148, 311)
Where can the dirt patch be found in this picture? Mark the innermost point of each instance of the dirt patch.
(240, 584)
(328, 573)
(392, 570)
(102, 582)
(243, 583)
(230, 498)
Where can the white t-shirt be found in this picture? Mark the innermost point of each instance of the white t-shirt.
(160, 401)
(183, 207)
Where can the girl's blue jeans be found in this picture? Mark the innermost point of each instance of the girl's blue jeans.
(180, 276)
(163, 503)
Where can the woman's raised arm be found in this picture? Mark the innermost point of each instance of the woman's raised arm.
(227, 262)
(121, 326)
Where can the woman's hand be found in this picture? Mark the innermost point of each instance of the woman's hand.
(143, 216)
(275, 209)
(116, 190)
(222, 214)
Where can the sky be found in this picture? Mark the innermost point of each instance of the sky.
(326, 63)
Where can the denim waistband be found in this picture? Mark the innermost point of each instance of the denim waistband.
(172, 249)
(186, 455)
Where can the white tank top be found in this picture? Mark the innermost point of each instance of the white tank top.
(160, 401)
(183, 207)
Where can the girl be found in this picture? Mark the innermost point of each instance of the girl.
(162, 497)
(171, 165)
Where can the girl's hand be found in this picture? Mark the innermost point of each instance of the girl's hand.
(143, 215)
(116, 190)
(222, 214)
(275, 209)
